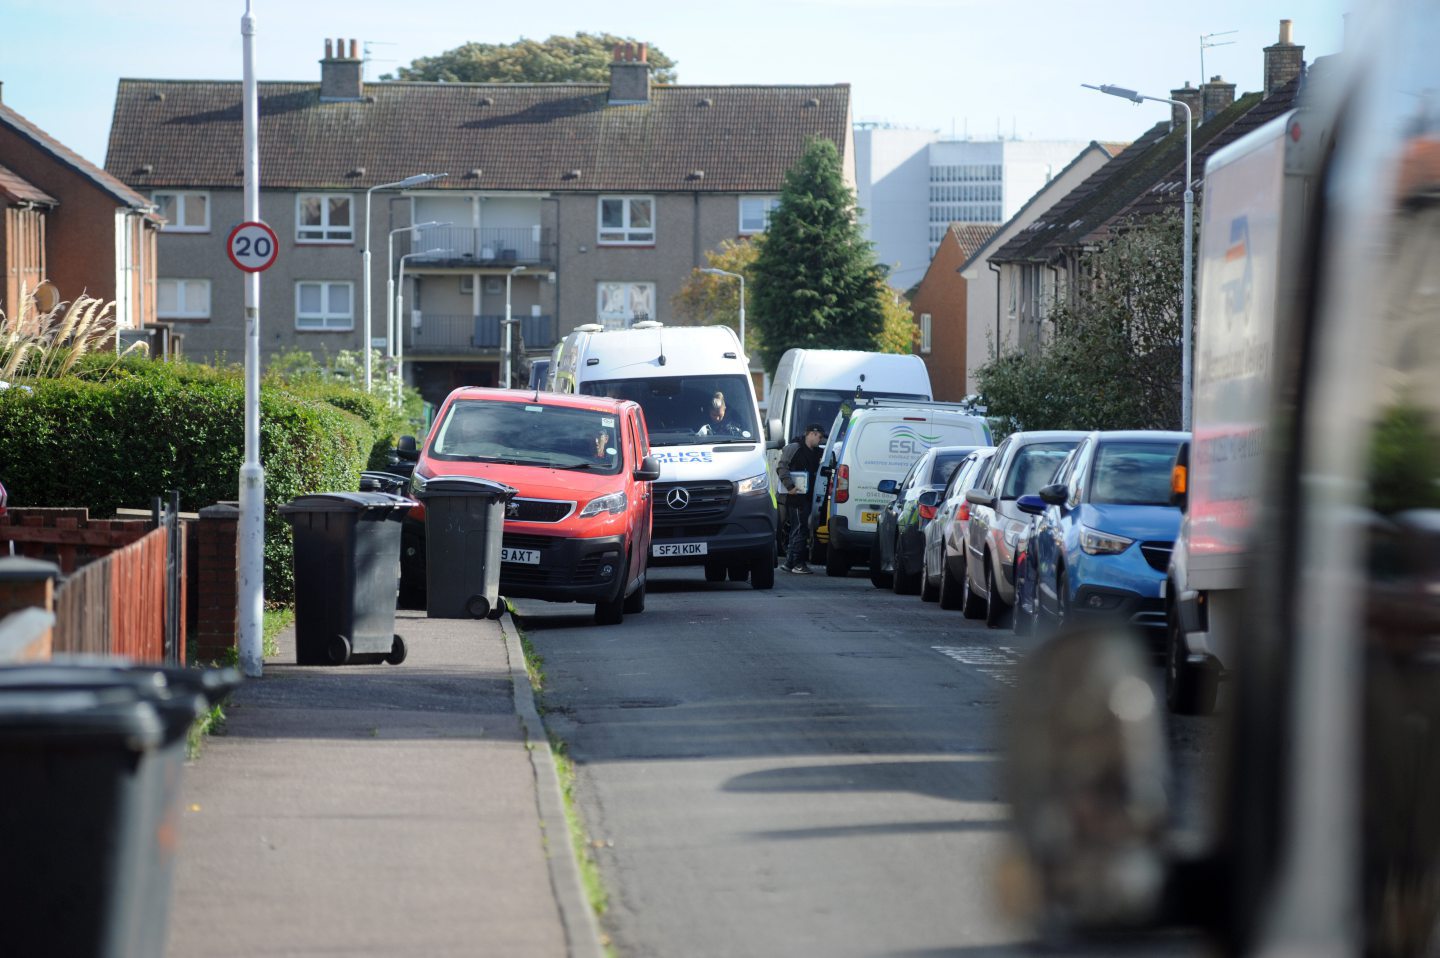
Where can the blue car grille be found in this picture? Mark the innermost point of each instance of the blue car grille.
(1157, 554)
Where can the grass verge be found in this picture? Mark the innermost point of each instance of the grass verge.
(213, 721)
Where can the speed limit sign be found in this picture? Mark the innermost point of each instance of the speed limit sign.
(253, 246)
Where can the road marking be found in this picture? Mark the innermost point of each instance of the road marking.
(996, 661)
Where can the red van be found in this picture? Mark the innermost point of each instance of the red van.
(579, 528)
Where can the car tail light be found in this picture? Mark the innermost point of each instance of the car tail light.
(963, 513)
(842, 484)
(927, 512)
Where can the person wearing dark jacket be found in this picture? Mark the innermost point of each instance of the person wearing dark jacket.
(799, 462)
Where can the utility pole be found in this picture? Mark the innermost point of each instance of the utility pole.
(250, 586)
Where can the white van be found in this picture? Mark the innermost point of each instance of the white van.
(810, 384)
(881, 440)
(714, 503)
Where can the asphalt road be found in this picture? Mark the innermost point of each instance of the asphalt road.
(807, 771)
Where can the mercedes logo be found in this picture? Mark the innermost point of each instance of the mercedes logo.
(677, 498)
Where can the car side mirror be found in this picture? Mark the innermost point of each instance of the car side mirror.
(1033, 505)
(648, 471)
(888, 486)
(774, 444)
(405, 448)
(930, 497)
(1086, 774)
(1180, 478)
(979, 497)
(1056, 494)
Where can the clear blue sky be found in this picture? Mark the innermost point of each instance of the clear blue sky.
(959, 65)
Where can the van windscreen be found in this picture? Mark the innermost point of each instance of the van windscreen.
(821, 405)
(688, 410)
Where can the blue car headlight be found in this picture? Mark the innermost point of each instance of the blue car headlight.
(1096, 543)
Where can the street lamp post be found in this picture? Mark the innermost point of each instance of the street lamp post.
(505, 370)
(1187, 293)
(404, 184)
(724, 272)
(400, 304)
(392, 325)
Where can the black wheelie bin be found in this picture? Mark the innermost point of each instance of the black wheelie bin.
(347, 574)
(464, 523)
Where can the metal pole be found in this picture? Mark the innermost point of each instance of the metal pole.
(505, 353)
(1187, 315)
(390, 296)
(250, 586)
(365, 256)
(742, 315)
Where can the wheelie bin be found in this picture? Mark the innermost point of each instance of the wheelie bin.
(464, 523)
(347, 574)
(123, 877)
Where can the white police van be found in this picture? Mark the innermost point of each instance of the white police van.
(714, 502)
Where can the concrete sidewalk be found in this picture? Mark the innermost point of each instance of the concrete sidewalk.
(381, 810)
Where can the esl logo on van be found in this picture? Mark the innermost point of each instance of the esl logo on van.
(905, 441)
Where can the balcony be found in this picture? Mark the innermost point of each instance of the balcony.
(439, 334)
(501, 246)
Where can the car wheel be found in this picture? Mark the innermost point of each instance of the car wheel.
(739, 572)
(837, 563)
(818, 552)
(1189, 689)
(878, 577)
(997, 612)
(715, 572)
(951, 591)
(762, 571)
(610, 613)
(635, 601)
(971, 605)
(929, 586)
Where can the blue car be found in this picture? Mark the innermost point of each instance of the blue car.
(1103, 530)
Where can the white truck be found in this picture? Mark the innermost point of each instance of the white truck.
(714, 502)
(1257, 194)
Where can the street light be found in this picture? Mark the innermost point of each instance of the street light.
(505, 371)
(722, 272)
(392, 326)
(404, 184)
(400, 302)
(1187, 293)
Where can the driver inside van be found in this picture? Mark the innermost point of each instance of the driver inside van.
(718, 422)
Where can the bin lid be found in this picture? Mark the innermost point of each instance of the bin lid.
(346, 502)
(117, 717)
(442, 486)
(181, 695)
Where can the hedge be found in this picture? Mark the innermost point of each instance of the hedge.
(160, 426)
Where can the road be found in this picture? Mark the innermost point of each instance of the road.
(808, 771)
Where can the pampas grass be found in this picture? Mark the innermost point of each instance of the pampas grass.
(46, 345)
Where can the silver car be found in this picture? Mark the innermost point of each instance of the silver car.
(943, 564)
(1023, 463)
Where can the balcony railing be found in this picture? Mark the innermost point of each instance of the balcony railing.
(438, 333)
(502, 246)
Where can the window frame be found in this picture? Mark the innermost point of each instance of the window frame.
(182, 283)
(328, 239)
(927, 341)
(180, 202)
(772, 203)
(627, 230)
(325, 315)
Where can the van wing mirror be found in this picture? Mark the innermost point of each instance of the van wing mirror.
(774, 444)
(405, 448)
(648, 471)
(1180, 478)
(773, 429)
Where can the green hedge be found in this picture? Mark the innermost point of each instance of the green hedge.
(159, 426)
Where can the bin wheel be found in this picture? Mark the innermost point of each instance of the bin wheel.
(397, 651)
(478, 606)
(498, 611)
(338, 649)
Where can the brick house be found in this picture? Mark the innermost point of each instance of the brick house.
(71, 223)
(572, 203)
(939, 306)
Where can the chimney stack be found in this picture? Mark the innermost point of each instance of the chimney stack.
(340, 76)
(1215, 96)
(1284, 61)
(1189, 96)
(630, 73)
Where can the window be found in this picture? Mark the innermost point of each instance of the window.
(467, 284)
(183, 299)
(324, 218)
(324, 305)
(924, 332)
(755, 212)
(623, 304)
(186, 212)
(627, 220)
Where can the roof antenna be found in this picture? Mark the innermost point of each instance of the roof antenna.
(661, 333)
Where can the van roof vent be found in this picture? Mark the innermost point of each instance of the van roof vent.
(593, 361)
(589, 328)
(648, 324)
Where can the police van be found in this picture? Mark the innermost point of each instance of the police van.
(714, 502)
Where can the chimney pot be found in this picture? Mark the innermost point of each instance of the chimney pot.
(340, 76)
(329, 53)
(629, 75)
(1285, 26)
(354, 49)
(644, 53)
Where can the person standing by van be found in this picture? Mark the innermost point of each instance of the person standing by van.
(796, 469)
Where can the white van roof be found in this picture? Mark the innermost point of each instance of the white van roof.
(653, 349)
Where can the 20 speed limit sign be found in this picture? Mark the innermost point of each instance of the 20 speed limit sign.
(253, 246)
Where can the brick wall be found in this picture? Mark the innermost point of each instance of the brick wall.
(215, 598)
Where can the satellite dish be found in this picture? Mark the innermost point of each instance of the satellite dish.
(47, 297)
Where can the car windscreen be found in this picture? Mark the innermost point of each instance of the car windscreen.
(1034, 466)
(821, 405)
(528, 434)
(686, 410)
(1133, 473)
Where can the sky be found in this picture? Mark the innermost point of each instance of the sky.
(961, 67)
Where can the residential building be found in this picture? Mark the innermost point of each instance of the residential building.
(561, 204)
(1039, 264)
(939, 305)
(912, 184)
(69, 224)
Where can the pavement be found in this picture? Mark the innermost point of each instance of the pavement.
(381, 810)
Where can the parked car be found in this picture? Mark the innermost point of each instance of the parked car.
(1104, 530)
(943, 564)
(899, 546)
(1023, 463)
(579, 529)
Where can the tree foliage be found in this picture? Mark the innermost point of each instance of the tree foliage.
(705, 299)
(583, 58)
(1113, 359)
(817, 284)
(897, 334)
